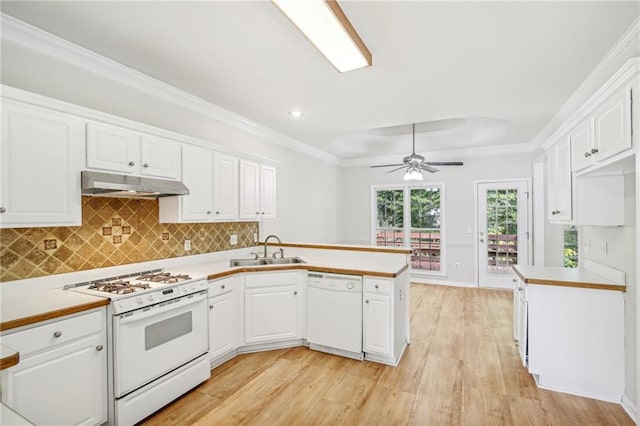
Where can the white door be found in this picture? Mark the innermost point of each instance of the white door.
(268, 192)
(160, 157)
(503, 231)
(271, 313)
(249, 190)
(225, 183)
(196, 175)
(113, 148)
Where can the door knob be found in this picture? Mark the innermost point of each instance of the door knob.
(482, 240)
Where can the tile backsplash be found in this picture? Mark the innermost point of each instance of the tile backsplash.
(114, 231)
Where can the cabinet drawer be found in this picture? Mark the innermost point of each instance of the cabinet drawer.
(222, 286)
(44, 336)
(271, 279)
(378, 286)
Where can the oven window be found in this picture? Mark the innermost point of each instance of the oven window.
(167, 330)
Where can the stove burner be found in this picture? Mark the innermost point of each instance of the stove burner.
(117, 287)
(163, 277)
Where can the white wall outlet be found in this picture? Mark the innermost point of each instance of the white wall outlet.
(187, 245)
(605, 248)
(255, 237)
(456, 265)
(468, 230)
(233, 239)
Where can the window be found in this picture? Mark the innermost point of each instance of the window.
(411, 217)
(570, 246)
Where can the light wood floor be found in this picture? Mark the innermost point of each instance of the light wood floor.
(462, 368)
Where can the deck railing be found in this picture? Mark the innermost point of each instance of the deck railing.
(424, 242)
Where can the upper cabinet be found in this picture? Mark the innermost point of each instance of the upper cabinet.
(257, 191)
(122, 150)
(225, 187)
(41, 155)
(604, 133)
(559, 195)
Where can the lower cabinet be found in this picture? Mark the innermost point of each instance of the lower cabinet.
(385, 318)
(62, 374)
(520, 319)
(273, 307)
(224, 317)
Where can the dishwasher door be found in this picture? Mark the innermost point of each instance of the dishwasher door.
(334, 314)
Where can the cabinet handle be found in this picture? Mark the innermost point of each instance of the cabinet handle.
(514, 280)
(366, 301)
(555, 212)
(217, 212)
(257, 212)
(145, 165)
(262, 213)
(594, 150)
(208, 211)
(222, 286)
(2, 210)
(131, 163)
(295, 293)
(377, 286)
(587, 154)
(57, 334)
(210, 306)
(99, 348)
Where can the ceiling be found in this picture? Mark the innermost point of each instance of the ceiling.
(484, 74)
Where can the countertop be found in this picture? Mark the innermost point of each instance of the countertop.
(565, 277)
(19, 310)
(8, 357)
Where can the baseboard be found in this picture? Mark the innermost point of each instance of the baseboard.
(426, 280)
(630, 408)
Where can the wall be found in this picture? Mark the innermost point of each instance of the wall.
(306, 187)
(355, 196)
(113, 232)
(620, 255)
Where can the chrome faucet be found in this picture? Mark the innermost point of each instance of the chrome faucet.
(266, 240)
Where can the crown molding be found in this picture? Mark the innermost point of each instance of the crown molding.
(449, 155)
(19, 32)
(626, 48)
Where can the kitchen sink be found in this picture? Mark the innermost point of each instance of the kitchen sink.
(285, 261)
(263, 261)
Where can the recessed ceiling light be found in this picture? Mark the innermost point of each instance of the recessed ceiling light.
(324, 23)
(295, 113)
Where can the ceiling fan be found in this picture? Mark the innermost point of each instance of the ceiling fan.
(415, 163)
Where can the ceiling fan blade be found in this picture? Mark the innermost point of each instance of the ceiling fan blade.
(445, 163)
(429, 169)
(399, 168)
(386, 165)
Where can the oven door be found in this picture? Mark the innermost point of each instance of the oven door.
(151, 341)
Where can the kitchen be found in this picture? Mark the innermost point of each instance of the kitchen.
(331, 203)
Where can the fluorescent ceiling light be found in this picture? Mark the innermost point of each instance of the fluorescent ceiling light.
(324, 23)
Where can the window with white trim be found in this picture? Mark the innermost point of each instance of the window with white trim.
(412, 217)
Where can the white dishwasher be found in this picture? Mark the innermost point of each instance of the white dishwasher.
(334, 314)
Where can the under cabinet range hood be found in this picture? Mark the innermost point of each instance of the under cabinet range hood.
(123, 186)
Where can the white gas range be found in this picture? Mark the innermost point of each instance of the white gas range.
(157, 338)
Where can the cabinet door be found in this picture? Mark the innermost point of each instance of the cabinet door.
(559, 193)
(378, 324)
(160, 157)
(581, 145)
(196, 175)
(222, 335)
(41, 158)
(613, 126)
(62, 385)
(225, 183)
(522, 326)
(271, 313)
(113, 149)
(249, 190)
(268, 192)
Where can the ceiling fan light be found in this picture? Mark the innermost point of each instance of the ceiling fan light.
(324, 23)
(413, 174)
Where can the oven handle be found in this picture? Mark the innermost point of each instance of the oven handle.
(154, 310)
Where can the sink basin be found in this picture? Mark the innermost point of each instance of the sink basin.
(248, 262)
(285, 261)
(262, 261)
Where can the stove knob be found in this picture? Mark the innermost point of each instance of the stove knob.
(139, 300)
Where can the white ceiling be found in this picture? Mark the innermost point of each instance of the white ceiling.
(500, 70)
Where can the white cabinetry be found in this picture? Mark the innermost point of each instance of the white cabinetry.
(606, 133)
(62, 374)
(385, 318)
(559, 200)
(257, 191)
(225, 186)
(224, 318)
(520, 317)
(121, 150)
(273, 307)
(41, 158)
